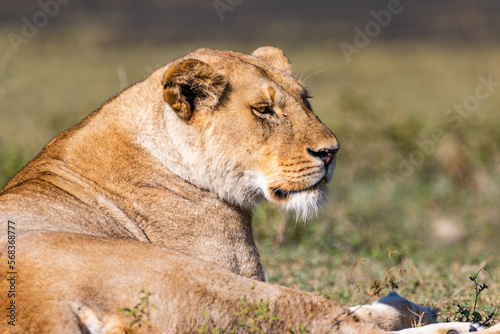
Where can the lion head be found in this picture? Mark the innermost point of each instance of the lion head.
(241, 126)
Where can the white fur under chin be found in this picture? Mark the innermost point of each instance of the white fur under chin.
(305, 205)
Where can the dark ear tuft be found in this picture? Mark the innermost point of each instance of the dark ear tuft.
(274, 57)
(191, 85)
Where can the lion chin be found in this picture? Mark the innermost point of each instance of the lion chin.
(306, 204)
(303, 203)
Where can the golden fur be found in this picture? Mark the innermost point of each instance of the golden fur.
(75, 283)
(177, 162)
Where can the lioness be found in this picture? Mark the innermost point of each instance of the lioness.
(177, 162)
(181, 159)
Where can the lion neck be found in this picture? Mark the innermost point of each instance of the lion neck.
(112, 168)
(189, 152)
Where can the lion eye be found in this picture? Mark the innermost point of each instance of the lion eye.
(262, 110)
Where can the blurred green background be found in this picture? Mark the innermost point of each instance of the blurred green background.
(415, 105)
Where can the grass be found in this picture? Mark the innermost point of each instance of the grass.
(431, 229)
(139, 313)
(255, 317)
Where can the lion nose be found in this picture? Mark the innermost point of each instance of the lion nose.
(325, 154)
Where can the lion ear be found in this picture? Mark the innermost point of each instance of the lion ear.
(191, 85)
(274, 57)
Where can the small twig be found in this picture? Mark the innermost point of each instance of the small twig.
(478, 287)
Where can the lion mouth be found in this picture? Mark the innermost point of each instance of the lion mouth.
(283, 195)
